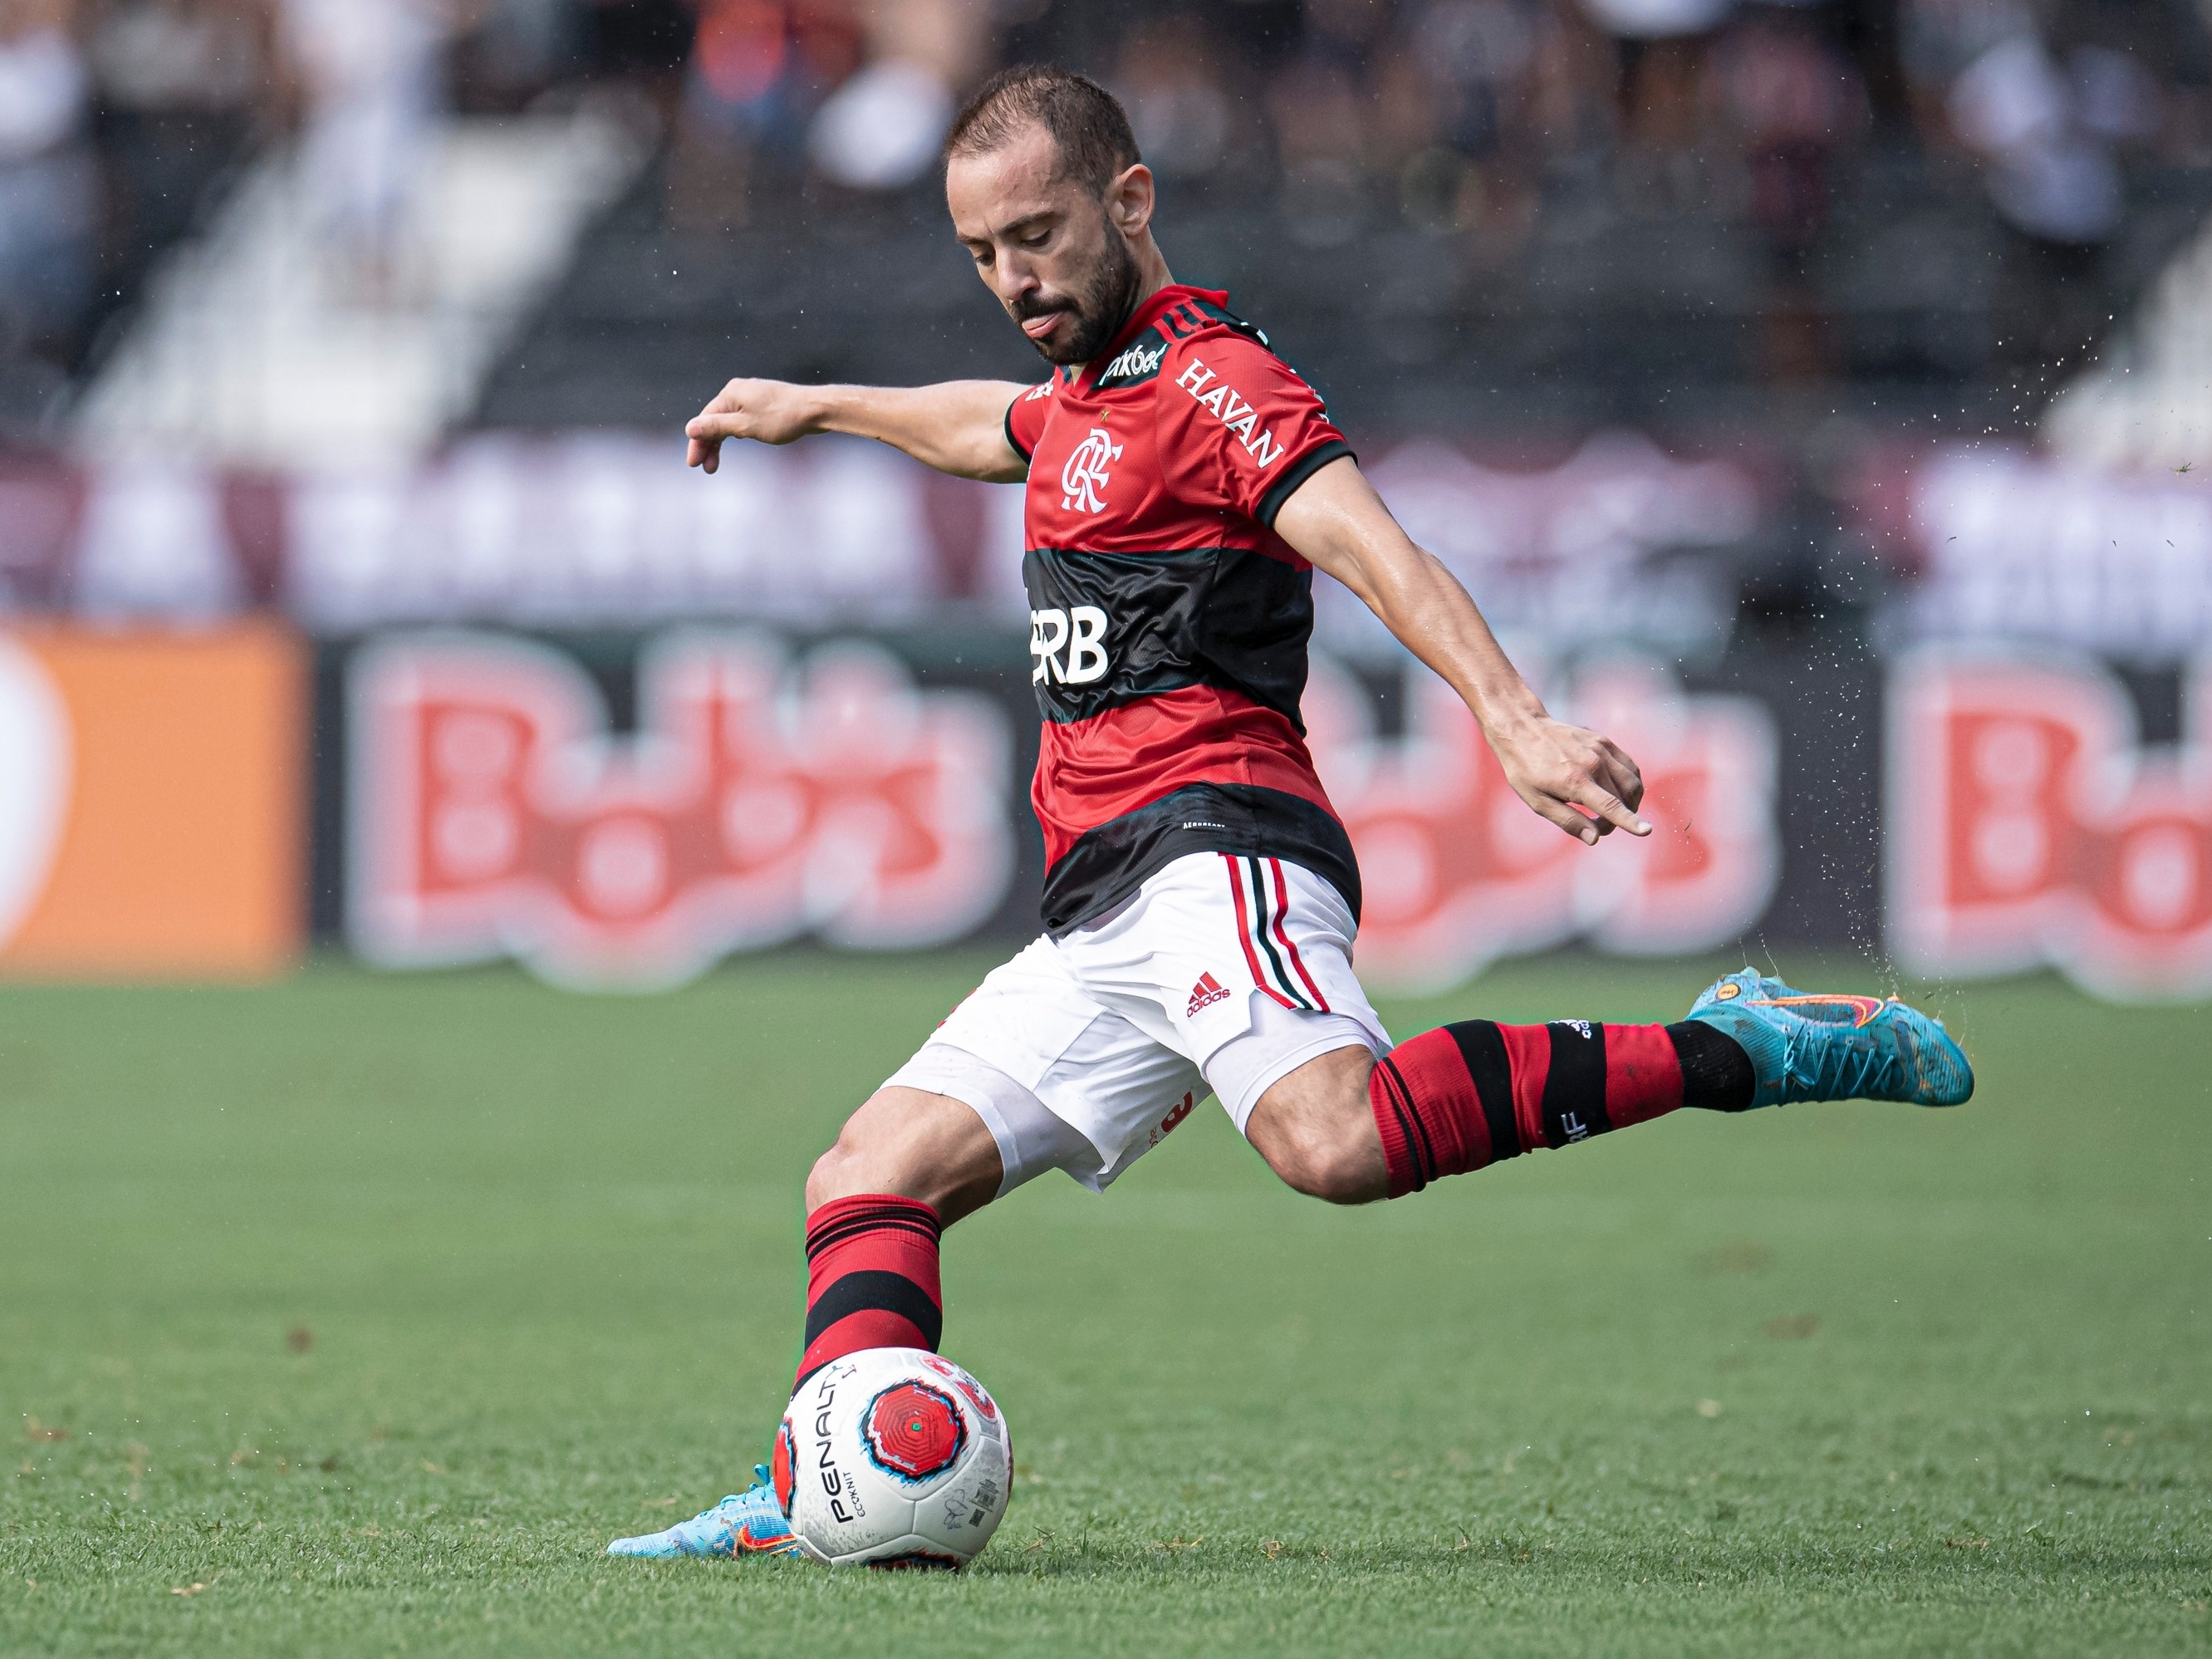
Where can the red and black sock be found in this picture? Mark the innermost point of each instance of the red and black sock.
(871, 1278)
(1469, 1094)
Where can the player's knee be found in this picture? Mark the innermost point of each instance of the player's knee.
(1317, 1132)
(1331, 1160)
(850, 1166)
(825, 1179)
(914, 1144)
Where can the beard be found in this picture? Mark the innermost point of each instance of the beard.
(1098, 307)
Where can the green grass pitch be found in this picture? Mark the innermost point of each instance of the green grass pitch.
(354, 1315)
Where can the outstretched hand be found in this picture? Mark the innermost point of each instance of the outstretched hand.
(1583, 782)
(767, 411)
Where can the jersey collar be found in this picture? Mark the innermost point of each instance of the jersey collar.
(1142, 318)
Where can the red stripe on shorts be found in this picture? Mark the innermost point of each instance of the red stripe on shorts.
(1282, 906)
(1244, 934)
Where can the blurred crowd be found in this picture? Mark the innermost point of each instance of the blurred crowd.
(1453, 114)
(114, 116)
(119, 118)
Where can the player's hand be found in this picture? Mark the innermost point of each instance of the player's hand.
(1556, 768)
(767, 411)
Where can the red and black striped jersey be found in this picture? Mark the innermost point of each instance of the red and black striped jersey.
(1168, 622)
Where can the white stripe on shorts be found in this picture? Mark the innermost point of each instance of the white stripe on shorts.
(1262, 902)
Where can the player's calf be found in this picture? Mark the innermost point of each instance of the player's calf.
(1350, 1129)
(1475, 1092)
(905, 1166)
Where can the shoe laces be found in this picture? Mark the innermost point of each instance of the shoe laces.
(1860, 1061)
(760, 1484)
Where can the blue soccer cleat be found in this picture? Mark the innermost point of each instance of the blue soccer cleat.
(750, 1522)
(1835, 1048)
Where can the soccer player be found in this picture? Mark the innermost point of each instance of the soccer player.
(1200, 897)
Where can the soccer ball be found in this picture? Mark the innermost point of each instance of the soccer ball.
(893, 1457)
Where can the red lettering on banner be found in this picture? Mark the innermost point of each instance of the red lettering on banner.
(2027, 828)
(1459, 872)
(491, 813)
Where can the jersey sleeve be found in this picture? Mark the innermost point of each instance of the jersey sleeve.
(1026, 417)
(1239, 430)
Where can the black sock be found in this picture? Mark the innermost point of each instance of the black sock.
(1716, 1074)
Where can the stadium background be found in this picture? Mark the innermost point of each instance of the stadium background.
(1816, 395)
(1766, 348)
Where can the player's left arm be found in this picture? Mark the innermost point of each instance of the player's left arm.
(1336, 521)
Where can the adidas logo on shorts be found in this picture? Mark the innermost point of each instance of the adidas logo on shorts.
(1203, 994)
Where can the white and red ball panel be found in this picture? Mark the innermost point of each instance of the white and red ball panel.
(912, 1431)
(782, 1466)
(893, 1457)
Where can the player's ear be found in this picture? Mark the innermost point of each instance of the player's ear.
(1129, 200)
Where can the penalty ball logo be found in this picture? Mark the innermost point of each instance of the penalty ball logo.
(914, 1430)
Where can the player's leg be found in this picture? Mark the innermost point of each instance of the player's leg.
(958, 1125)
(950, 1131)
(927, 1147)
(1275, 1014)
(1350, 1128)
(905, 1166)
(1309, 1128)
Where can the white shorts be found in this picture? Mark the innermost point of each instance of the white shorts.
(1221, 973)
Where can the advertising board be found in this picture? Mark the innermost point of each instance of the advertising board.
(2029, 827)
(153, 802)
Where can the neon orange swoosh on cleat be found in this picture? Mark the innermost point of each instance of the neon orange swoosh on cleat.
(1863, 1008)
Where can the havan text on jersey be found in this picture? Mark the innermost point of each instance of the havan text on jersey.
(1168, 620)
(1231, 410)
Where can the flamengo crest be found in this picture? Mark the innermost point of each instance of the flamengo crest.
(1084, 478)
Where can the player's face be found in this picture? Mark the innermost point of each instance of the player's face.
(1058, 257)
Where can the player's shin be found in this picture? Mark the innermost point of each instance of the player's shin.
(872, 1278)
(1468, 1094)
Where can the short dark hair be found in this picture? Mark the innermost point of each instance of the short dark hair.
(1089, 127)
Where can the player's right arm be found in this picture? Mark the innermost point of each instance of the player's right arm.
(1247, 433)
(958, 427)
(1580, 780)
